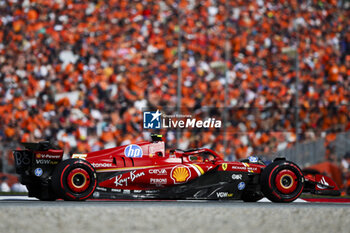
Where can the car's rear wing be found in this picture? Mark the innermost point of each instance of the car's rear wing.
(38, 146)
(40, 155)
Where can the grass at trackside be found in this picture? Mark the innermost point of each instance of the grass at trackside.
(13, 194)
(319, 196)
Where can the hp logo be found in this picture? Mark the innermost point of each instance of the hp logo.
(133, 151)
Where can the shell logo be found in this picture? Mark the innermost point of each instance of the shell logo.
(180, 174)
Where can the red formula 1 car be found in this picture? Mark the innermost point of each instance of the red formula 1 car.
(144, 171)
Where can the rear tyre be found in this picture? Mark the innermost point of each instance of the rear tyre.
(43, 193)
(74, 180)
(282, 181)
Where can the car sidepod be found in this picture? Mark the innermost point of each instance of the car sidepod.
(216, 183)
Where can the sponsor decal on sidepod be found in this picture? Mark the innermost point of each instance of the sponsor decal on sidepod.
(158, 171)
(119, 181)
(158, 181)
(133, 151)
(236, 176)
(241, 186)
(180, 174)
(98, 165)
(223, 194)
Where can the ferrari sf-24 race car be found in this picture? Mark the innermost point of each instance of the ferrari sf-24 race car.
(144, 171)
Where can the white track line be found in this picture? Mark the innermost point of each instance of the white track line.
(24, 198)
(267, 200)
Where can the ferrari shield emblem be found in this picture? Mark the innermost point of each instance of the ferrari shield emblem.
(224, 166)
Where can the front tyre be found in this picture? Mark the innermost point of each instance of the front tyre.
(282, 181)
(74, 180)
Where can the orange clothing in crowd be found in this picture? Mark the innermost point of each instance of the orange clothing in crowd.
(117, 57)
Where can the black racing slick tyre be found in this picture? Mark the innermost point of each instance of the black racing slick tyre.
(74, 180)
(41, 192)
(282, 181)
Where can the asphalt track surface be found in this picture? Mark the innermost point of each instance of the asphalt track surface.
(23, 215)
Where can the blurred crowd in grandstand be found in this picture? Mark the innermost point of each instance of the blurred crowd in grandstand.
(79, 72)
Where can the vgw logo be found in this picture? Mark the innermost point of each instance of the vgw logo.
(151, 120)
